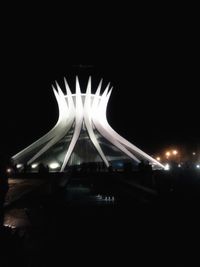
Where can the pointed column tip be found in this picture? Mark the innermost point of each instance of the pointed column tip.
(97, 93)
(67, 88)
(54, 89)
(88, 88)
(60, 92)
(105, 92)
(65, 81)
(57, 84)
(110, 91)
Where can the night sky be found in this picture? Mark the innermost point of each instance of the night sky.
(151, 61)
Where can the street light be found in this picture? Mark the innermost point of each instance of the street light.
(167, 154)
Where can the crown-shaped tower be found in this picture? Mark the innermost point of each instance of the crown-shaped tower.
(82, 134)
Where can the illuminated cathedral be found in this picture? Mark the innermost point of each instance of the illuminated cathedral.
(82, 134)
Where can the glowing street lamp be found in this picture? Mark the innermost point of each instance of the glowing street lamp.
(158, 158)
(168, 154)
(174, 152)
(8, 170)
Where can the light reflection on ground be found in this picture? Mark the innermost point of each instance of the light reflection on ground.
(16, 218)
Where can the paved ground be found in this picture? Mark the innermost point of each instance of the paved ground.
(21, 187)
(123, 231)
(16, 216)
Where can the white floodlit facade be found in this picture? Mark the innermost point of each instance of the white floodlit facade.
(82, 134)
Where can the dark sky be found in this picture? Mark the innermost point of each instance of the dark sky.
(151, 60)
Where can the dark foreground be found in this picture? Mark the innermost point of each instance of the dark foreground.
(105, 224)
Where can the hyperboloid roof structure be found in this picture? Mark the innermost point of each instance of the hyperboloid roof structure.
(82, 134)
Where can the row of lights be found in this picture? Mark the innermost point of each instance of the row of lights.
(55, 165)
(168, 154)
(172, 153)
(52, 165)
(167, 166)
